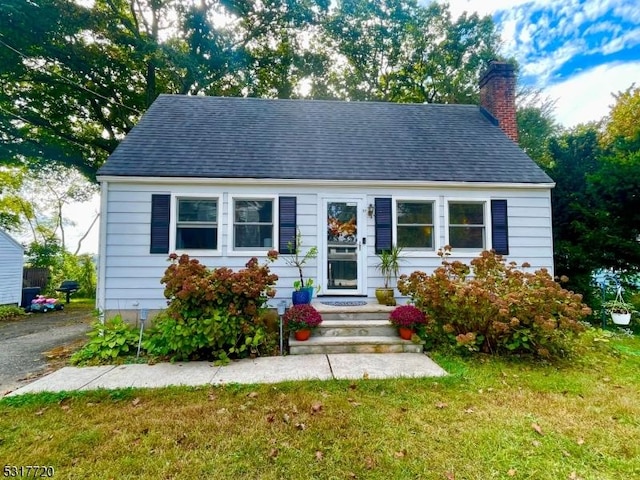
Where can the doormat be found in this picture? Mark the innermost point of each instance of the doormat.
(345, 303)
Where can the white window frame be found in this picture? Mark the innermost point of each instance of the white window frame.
(486, 203)
(173, 232)
(415, 251)
(262, 252)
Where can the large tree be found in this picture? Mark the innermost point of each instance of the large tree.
(76, 76)
(596, 202)
(398, 50)
(74, 79)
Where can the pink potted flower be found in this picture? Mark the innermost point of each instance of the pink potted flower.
(301, 319)
(407, 318)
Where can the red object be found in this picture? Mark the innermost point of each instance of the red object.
(405, 333)
(302, 335)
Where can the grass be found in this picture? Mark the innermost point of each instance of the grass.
(491, 418)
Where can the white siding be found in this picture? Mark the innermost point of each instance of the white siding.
(132, 275)
(11, 263)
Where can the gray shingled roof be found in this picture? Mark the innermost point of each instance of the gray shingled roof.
(192, 136)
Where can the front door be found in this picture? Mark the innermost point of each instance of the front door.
(343, 250)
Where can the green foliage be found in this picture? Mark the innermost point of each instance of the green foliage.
(536, 123)
(389, 264)
(295, 258)
(214, 314)
(79, 268)
(494, 307)
(110, 342)
(63, 265)
(10, 312)
(68, 99)
(573, 158)
(46, 254)
(13, 207)
(622, 132)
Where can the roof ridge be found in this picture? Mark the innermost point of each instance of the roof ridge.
(319, 100)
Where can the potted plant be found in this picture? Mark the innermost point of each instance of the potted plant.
(302, 291)
(389, 266)
(407, 318)
(301, 320)
(300, 295)
(619, 310)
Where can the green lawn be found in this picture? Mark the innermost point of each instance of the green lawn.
(491, 418)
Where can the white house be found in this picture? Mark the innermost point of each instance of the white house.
(11, 264)
(225, 179)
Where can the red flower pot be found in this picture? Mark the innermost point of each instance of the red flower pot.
(405, 333)
(302, 335)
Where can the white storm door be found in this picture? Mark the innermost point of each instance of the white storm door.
(343, 252)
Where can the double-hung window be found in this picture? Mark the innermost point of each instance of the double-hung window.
(197, 224)
(467, 225)
(414, 224)
(253, 221)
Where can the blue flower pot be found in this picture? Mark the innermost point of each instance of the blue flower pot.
(300, 297)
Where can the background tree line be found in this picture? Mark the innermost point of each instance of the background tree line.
(75, 77)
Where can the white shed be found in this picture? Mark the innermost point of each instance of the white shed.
(11, 263)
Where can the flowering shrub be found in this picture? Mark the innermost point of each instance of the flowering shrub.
(495, 307)
(301, 317)
(407, 316)
(214, 313)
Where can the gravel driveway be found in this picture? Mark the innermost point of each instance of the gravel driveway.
(23, 343)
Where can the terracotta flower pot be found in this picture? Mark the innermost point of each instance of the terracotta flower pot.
(405, 333)
(302, 335)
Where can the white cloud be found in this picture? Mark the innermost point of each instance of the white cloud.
(587, 96)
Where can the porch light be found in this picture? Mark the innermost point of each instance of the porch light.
(370, 210)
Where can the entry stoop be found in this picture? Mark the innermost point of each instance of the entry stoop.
(354, 329)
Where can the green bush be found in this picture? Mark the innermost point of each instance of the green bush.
(214, 314)
(494, 307)
(10, 312)
(110, 342)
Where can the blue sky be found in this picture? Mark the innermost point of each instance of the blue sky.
(578, 52)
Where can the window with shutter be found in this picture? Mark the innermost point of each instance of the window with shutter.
(384, 226)
(287, 224)
(160, 218)
(500, 227)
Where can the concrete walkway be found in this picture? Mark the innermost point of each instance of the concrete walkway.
(259, 370)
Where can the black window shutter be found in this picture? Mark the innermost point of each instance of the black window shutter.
(160, 219)
(287, 228)
(499, 227)
(384, 238)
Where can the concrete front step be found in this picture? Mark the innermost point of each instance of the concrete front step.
(355, 344)
(330, 316)
(355, 328)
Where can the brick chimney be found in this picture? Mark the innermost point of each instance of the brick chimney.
(498, 95)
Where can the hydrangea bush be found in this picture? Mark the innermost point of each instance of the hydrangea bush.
(496, 307)
(214, 313)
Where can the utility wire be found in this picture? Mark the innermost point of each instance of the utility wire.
(22, 119)
(71, 82)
